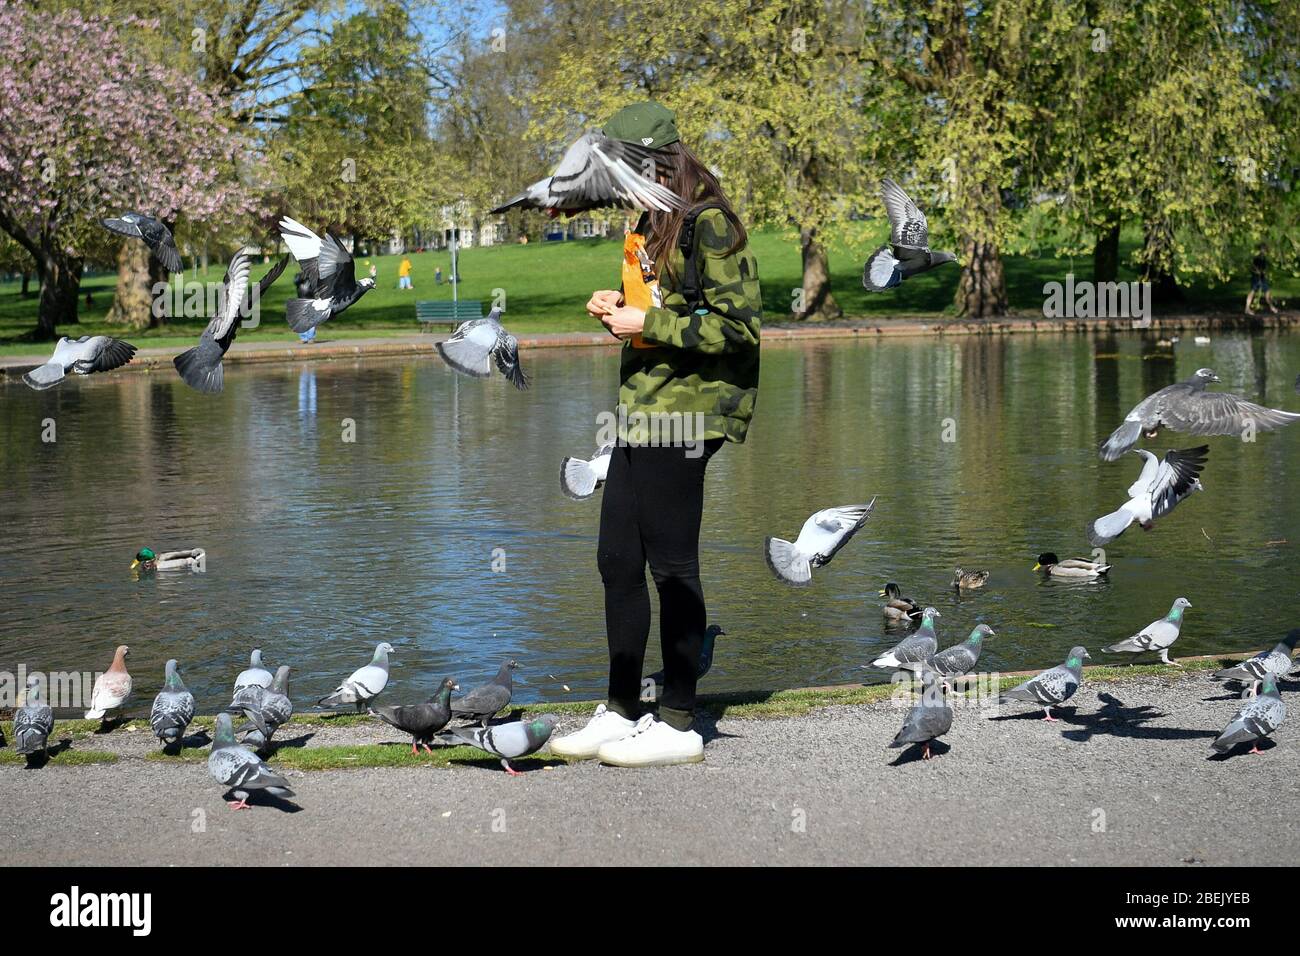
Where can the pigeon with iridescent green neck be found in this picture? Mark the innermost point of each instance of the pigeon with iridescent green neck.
(962, 658)
(239, 769)
(931, 718)
(267, 709)
(912, 651)
(1156, 636)
(421, 721)
(33, 721)
(1053, 686)
(173, 708)
(509, 741)
(1258, 717)
(1275, 663)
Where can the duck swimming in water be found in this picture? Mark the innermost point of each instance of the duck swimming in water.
(1054, 567)
(193, 559)
(969, 580)
(899, 609)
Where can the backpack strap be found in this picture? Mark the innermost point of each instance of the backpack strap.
(687, 245)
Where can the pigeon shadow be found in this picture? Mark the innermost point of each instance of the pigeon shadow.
(1038, 715)
(108, 726)
(1116, 720)
(521, 764)
(37, 760)
(260, 798)
(914, 753)
(1240, 750)
(273, 745)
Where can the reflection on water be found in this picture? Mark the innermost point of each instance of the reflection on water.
(320, 546)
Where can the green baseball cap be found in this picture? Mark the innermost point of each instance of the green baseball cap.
(647, 124)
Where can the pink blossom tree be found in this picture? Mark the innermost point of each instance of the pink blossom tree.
(89, 127)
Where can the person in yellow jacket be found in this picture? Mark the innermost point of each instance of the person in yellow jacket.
(404, 274)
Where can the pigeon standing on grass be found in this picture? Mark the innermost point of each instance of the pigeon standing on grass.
(112, 687)
(908, 251)
(509, 741)
(929, 719)
(1053, 686)
(579, 479)
(477, 344)
(173, 708)
(915, 649)
(1275, 663)
(155, 234)
(483, 703)
(1259, 717)
(1159, 488)
(84, 356)
(255, 675)
(1188, 407)
(961, 658)
(365, 683)
(1156, 636)
(239, 769)
(330, 275)
(820, 539)
(421, 721)
(33, 722)
(266, 708)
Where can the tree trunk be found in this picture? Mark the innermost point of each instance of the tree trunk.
(27, 283)
(60, 284)
(982, 291)
(819, 304)
(1105, 255)
(1157, 258)
(137, 274)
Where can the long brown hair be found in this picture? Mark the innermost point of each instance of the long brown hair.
(692, 180)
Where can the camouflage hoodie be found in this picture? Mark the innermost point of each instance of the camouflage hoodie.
(705, 363)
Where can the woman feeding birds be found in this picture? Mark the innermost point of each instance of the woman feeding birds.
(689, 314)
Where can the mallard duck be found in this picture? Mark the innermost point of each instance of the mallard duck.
(193, 559)
(969, 580)
(1070, 567)
(902, 610)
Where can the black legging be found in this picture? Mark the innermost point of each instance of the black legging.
(650, 511)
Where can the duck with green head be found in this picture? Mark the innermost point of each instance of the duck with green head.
(190, 559)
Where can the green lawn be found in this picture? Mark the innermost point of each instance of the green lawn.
(546, 285)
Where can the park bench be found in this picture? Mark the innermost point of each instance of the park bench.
(446, 312)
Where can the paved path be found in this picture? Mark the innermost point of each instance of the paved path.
(1125, 779)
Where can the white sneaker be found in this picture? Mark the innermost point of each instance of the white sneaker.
(606, 726)
(653, 744)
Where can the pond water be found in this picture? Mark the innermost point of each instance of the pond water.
(318, 548)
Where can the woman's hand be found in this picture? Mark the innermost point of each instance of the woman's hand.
(624, 321)
(604, 302)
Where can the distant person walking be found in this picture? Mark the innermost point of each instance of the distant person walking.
(404, 274)
(437, 275)
(1259, 283)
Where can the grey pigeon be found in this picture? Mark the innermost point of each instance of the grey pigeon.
(1051, 687)
(1274, 663)
(365, 683)
(1160, 486)
(820, 539)
(483, 703)
(908, 251)
(33, 721)
(86, 355)
(155, 234)
(595, 172)
(173, 708)
(239, 769)
(711, 635)
(1188, 407)
(476, 344)
(1259, 717)
(201, 367)
(421, 721)
(961, 658)
(915, 649)
(266, 708)
(927, 720)
(509, 741)
(579, 479)
(329, 274)
(256, 674)
(1156, 636)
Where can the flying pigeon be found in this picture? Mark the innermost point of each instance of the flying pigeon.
(33, 721)
(579, 479)
(239, 769)
(509, 741)
(201, 366)
(256, 675)
(330, 274)
(90, 353)
(908, 251)
(1156, 636)
(266, 708)
(1160, 486)
(112, 687)
(915, 649)
(483, 703)
(711, 634)
(1275, 663)
(596, 172)
(173, 708)
(961, 658)
(1188, 407)
(821, 536)
(927, 720)
(474, 345)
(155, 234)
(421, 721)
(1053, 686)
(365, 684)
(1258, 717)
